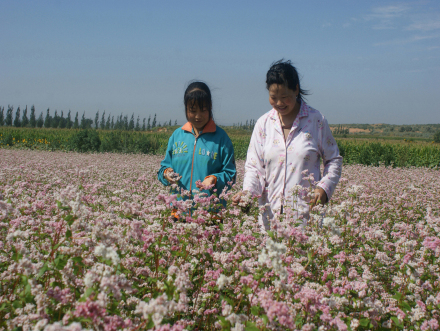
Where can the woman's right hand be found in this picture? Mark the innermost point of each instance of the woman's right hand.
(239, 198)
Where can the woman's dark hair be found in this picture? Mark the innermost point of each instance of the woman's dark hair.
(284, 73)
(198, 93)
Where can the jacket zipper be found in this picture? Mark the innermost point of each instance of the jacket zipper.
(192, 164)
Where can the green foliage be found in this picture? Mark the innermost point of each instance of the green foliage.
(398, 154)
(85, 141)
(437, 137)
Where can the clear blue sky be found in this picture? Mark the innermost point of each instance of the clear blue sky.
(363, 61)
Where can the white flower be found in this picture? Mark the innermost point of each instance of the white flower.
(88, 280)
(107, 253)
(223, 281)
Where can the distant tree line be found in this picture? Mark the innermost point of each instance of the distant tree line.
(249, 125)
(103, 122)
(341, 130)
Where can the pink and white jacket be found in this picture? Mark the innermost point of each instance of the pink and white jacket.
(274, 165)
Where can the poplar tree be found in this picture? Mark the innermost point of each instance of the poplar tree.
(131, 124)
(107, 124)
(125, 127)
(63, 121)
(143, 125)
(69, 121)
(112, 125)
(154, 122)
(24, 119)
(148, 125)
(32, 119)
(76, 123)
(103, 121)
(2, 116)
(40, 121)
(138, 127)
(83, 121)
(8, 119)
(48, 119)
(96, 120)
(17, 121)
(55, 120)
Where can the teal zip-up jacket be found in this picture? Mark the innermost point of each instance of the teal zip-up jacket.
(194, 158)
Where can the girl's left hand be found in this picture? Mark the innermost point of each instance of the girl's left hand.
(320, 196)
(209, 181)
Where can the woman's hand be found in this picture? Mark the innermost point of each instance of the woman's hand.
(241, 198)
(320, 196)
(237, 198)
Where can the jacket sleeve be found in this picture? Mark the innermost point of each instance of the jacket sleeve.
(166, 162)
(228, 169)
(254, 176)
(331, 158)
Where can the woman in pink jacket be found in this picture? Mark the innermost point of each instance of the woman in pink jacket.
(288, 140)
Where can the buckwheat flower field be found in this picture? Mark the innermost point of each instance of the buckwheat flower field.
(87, 241)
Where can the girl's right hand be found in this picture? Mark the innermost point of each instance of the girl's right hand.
(171, 176)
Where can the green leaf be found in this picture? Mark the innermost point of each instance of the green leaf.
(223, 321)
(255, 310)
(397, 296)
(88, 292)
(270, 233)
(364, 322)
(405, 306)
(221, 226)
(17, 304)
(61, 261)
(396, 321)
(251, 327)
(68, 234)
(69, 219)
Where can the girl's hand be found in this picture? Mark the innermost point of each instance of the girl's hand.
(171, 176)
(207, 183)
(320, 196)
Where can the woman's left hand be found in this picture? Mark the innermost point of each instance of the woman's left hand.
(320, 196)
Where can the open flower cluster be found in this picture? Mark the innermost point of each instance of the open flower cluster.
(88, 241)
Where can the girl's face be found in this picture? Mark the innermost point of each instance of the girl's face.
(282, 99)
(197, 116)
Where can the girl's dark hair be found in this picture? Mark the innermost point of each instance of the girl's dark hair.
(284, 73)
(198, 93)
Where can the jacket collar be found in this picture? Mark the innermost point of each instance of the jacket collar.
(209, 127)
(303, 112)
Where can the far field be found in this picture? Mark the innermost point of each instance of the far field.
(384, 144)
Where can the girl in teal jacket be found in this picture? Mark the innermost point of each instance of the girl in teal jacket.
(199, 150)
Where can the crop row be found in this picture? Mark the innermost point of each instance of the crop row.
(88, 242)
(353, 152)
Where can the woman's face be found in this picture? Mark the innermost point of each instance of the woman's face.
(282, 99)
(197, 116)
